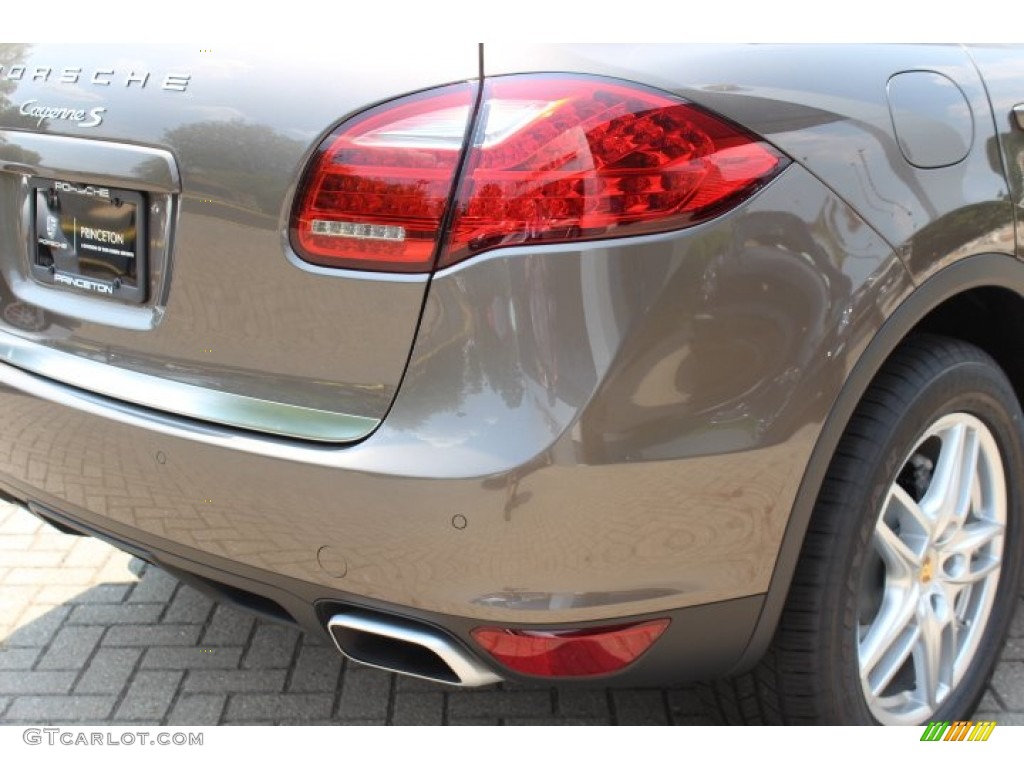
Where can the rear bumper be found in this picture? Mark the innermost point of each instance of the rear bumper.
(583, 434)
(700, 642)
(539, 543)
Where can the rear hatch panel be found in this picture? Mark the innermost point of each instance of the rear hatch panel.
(231, 326)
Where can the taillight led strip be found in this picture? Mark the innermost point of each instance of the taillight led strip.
(552, 158)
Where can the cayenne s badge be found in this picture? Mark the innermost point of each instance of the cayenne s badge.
(83, 118)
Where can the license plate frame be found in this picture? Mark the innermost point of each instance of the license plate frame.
(89, 238)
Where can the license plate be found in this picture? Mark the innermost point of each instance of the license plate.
(90, 238)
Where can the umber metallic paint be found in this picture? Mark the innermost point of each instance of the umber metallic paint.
(625, 427)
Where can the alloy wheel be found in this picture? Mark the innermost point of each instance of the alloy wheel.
(930, 583)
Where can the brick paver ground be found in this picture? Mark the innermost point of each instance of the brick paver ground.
(91, 635)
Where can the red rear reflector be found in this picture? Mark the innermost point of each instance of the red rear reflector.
(570, 653)
(376, 191)
(563, 158)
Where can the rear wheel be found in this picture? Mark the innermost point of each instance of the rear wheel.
(911, 566)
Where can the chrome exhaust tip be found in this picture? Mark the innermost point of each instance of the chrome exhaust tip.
(400, 645)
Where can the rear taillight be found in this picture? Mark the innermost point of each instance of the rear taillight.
(553, 158)
(376, 192)
(564, 158)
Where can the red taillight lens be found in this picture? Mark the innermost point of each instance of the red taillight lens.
(561, 158)
(554, 158)
(572, 653)
(375, 194)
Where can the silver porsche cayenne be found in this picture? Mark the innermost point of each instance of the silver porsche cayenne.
(579, 363)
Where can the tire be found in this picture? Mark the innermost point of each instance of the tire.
(909, 575)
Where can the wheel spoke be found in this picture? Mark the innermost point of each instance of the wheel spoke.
(948, 498)
(973, 537)
(974, 572)
(902, 552)
(893, 658)
(967, 480)
(883, 645)
(933, 653)
(965, 559)
(900, 560)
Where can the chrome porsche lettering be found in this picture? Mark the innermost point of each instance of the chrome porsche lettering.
(90, 191)
(83, 283)
(170, 81)
(141, 78)
(176, 82)
(84, 118)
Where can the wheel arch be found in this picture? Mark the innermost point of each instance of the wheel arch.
(979, 299)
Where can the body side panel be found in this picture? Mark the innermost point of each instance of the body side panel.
(827, 107)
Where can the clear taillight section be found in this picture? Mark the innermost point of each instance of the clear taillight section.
(376, 192)
(554, 158)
